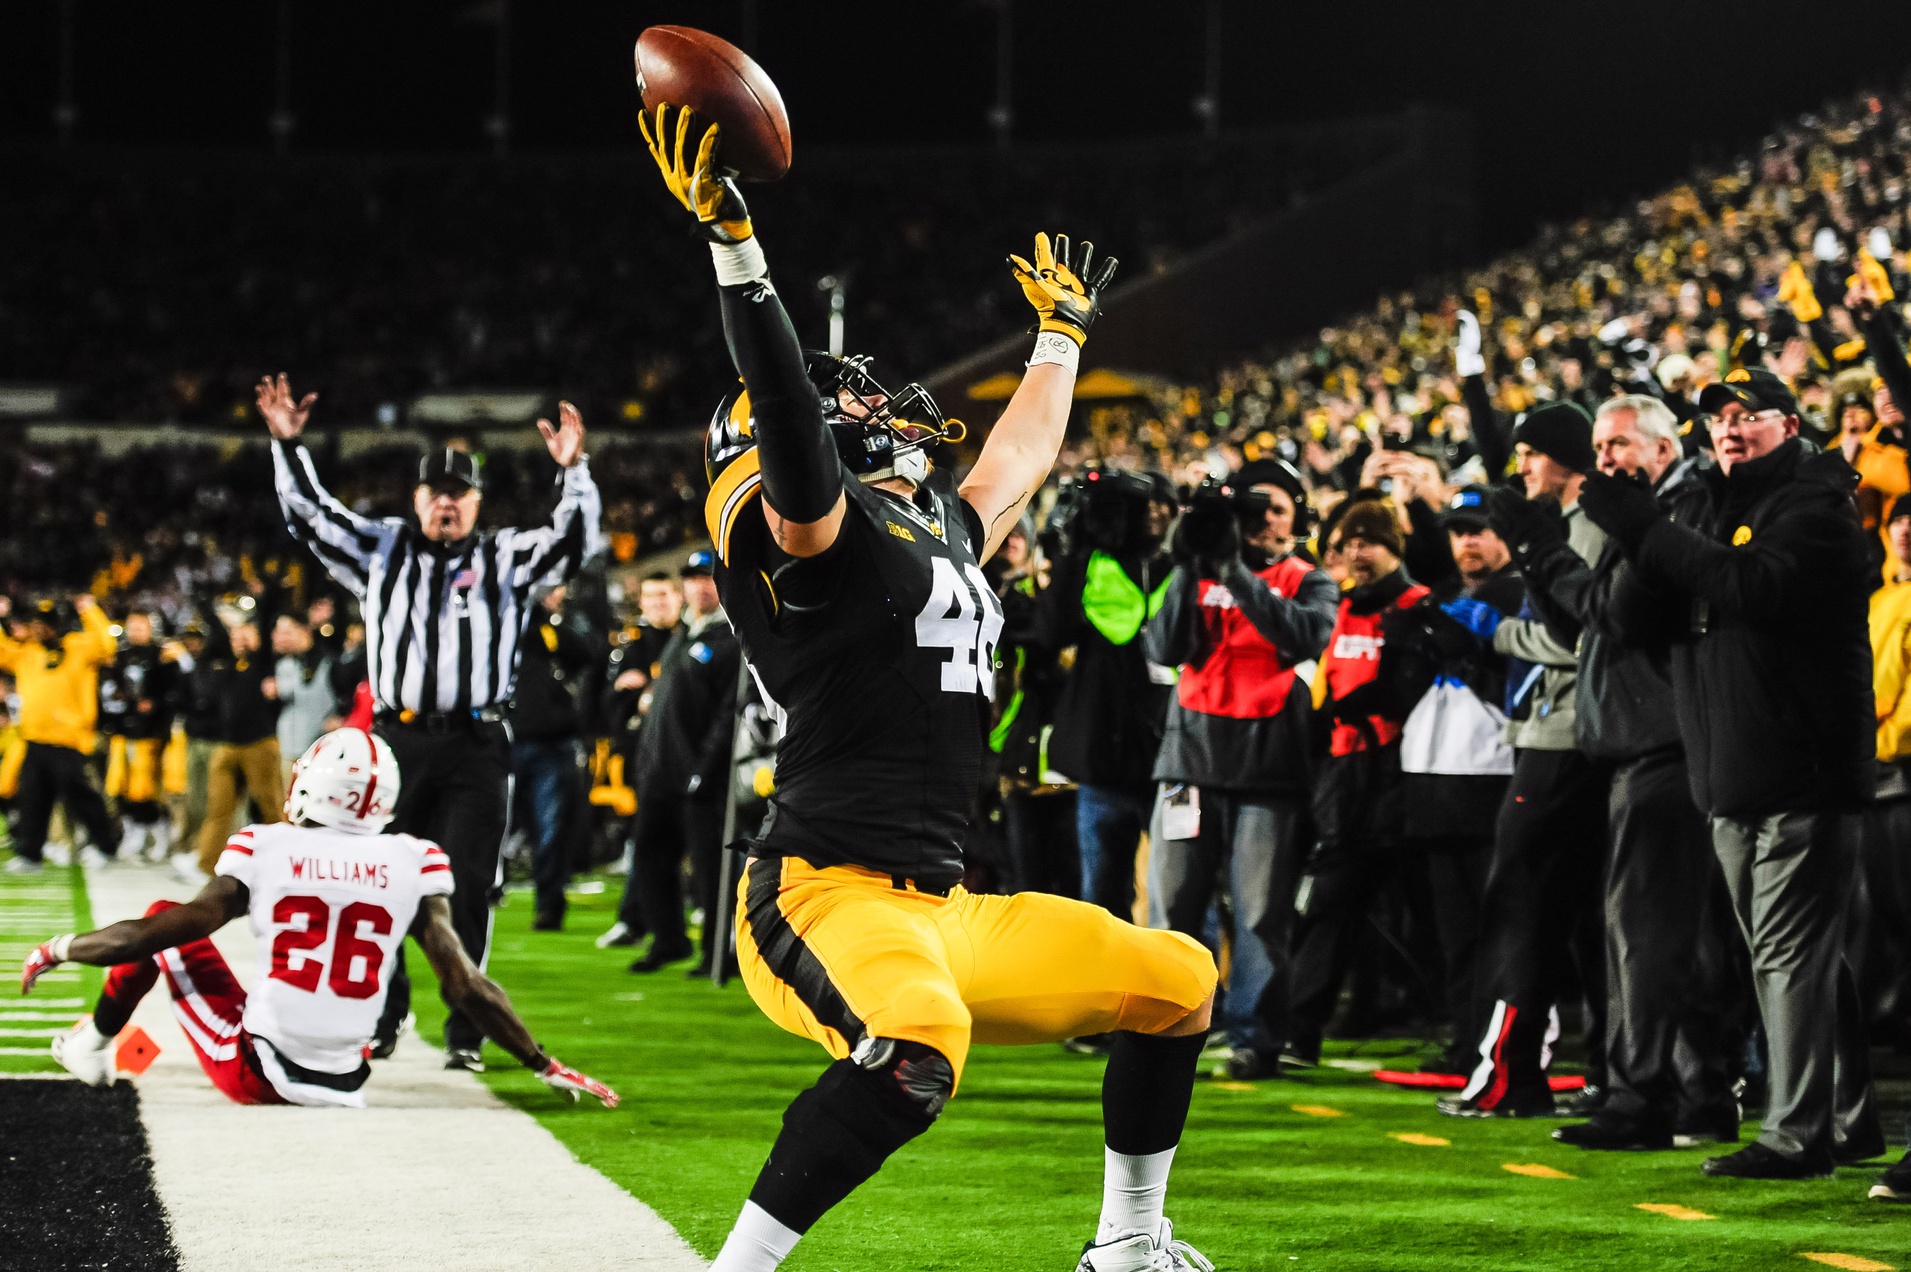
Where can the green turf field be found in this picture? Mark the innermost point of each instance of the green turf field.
(1011, 1176)
(33, 908)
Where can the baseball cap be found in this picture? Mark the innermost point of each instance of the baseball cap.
(702, 561)
(1466, 508)
(1753, 388)
(449, 468)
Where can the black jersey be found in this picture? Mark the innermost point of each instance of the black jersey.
(880, 655)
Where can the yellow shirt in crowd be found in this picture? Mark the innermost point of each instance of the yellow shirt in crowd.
(60, 687)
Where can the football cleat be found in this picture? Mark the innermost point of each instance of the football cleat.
(21, 866)
(618, 933)
(1894, 1184)
(469, 1059)
(86, 1053)
(1143, 1252)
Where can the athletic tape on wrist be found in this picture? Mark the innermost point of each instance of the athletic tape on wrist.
(739, 263)
(1055, 348)
(59, 946)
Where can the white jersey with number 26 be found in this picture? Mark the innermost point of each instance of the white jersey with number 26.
(329, 910)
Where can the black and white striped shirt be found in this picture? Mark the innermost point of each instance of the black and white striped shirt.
(442, 621)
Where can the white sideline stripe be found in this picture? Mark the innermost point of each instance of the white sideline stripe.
(38, 1004)
(484, 1186)
(29, 1033)
(23, 1017)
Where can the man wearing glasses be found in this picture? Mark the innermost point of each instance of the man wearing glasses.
(1757, 575)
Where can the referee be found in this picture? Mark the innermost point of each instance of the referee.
(445, 606)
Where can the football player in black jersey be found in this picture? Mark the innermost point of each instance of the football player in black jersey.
(851, 572)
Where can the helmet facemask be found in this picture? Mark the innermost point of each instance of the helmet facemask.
(879, 434)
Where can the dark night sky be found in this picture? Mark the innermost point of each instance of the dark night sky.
(1573, 102)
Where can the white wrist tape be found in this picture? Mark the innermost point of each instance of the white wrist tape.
(739, 263)
(59, 945)
(1055, 348)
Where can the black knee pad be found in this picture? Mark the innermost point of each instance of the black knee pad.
(916, 1074)
(840, 1131)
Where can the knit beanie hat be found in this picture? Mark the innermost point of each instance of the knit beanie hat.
(1562, 432)
(1373, 522)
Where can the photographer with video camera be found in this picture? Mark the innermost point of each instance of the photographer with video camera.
(1111, 578)
(1243, 611)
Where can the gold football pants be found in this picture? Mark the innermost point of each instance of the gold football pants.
(839, 954)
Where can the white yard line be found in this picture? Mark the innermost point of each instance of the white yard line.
(435, 1173)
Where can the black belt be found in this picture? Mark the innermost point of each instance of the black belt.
(438, 723)
(902, 883)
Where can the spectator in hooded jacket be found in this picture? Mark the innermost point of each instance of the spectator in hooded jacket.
(1357, 810)
(1760, 566)
(56, 673)
(1549, 845)
(1108, 719)
(1455, 777)
(1239, 618)
(1666, 1054)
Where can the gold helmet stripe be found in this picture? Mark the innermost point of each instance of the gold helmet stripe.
(733, 489)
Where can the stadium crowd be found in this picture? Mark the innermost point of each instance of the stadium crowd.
(1526, 654)
(365, 267)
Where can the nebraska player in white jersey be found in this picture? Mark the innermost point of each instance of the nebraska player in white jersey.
(330, 900)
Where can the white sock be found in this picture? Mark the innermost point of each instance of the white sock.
(1132, 1192)
(757, 1244)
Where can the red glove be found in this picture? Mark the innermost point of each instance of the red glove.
(46, 956)
(572, 1083)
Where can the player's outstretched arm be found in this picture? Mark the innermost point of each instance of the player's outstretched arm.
(485, 1002)
(802, 478)
(218, 903)
(1021, 449)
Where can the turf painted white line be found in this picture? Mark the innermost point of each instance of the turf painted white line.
(38, 1053)
(29, 1033)
(435, 1173)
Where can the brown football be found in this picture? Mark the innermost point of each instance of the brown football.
(683, 66)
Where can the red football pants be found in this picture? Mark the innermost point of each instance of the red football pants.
(209, 1004)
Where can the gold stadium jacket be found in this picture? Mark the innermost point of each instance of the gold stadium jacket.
(59, 686)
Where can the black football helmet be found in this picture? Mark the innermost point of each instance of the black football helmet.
(878, 434)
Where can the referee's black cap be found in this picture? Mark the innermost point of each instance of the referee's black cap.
(447, 469)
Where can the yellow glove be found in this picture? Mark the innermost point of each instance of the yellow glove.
(1875, 275)
(1054, 285)
(706, 192)
(1794, 289)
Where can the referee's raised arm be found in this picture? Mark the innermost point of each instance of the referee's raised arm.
(445, 606)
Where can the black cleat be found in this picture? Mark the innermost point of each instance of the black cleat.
(1756, 1161)
(1251, 1064)
(1716, 1124)
(1537, 1105)
(1089, 1044)
(466, 1058)
(1610, 1134)
(1894, 1184)
(655, 960)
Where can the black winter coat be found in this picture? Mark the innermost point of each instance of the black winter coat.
(692, 718)
(1764, 574)
(551, 669)
(1625, 703)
